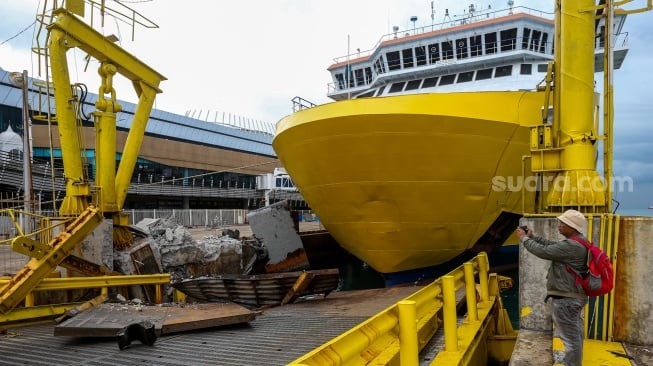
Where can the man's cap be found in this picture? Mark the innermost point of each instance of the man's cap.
(575, 220)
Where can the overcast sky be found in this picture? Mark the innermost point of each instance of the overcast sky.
(250, 58)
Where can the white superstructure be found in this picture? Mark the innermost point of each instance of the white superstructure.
(490, 51)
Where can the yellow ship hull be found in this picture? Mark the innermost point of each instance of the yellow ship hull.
(406, 182)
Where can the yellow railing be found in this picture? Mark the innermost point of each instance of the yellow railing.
(398, 333)
(29, 314)
(599, 311)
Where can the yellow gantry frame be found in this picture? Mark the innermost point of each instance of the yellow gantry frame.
(67, 32)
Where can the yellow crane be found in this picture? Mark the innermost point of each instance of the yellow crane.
(88, 207)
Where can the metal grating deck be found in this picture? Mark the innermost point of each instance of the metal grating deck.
(276, 337)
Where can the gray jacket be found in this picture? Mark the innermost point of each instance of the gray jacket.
(560, 282)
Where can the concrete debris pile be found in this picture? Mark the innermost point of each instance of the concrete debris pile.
(182, 256)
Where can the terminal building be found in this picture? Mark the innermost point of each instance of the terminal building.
(184, 163)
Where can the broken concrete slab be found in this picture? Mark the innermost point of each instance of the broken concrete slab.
(275, 227)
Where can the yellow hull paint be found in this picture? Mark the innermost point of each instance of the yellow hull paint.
(405, 182)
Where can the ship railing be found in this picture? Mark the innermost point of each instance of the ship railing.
(406, 327)
(299, 103)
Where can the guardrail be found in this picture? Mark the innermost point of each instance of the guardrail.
(399, 332)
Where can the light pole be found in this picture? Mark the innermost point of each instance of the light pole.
(413, 19)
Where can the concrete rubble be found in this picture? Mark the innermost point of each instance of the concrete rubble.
(177, 253)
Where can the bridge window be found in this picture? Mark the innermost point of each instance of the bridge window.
(447, 79)
(430, 82)
(360, 80)
(508, 39)
(526, 69)
(394, 62)
(407, 55)
(525, 38)
(475, 46)
(545, 38)
(542, 67)
(420, 55)
(379, 66)
(461, 48)
(447, 50)
(490, 43)
(434, 53)
(341, 81)
(535, 41)
(368, 75)
(503, 71)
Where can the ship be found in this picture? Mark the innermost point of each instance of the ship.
(417, 159)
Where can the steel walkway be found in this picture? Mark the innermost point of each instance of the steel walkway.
(276, 337)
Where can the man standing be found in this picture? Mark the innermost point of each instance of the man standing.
(568, 298)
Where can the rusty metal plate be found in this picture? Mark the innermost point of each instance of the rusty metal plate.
(106, 320)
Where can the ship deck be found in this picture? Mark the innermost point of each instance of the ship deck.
(277, 336)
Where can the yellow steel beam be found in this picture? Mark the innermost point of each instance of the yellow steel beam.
(77, 189)
(23, 282)
(33, 315)
(105, 51)
(67, 31)
(73, 283)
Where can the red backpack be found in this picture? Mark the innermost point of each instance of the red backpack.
(599, 279)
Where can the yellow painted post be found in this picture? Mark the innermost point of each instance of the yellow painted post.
(104, 291)
(158, 294)
(470, 291)
(483, 267)
(29, 300)
(449, 314)
(408, 350)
